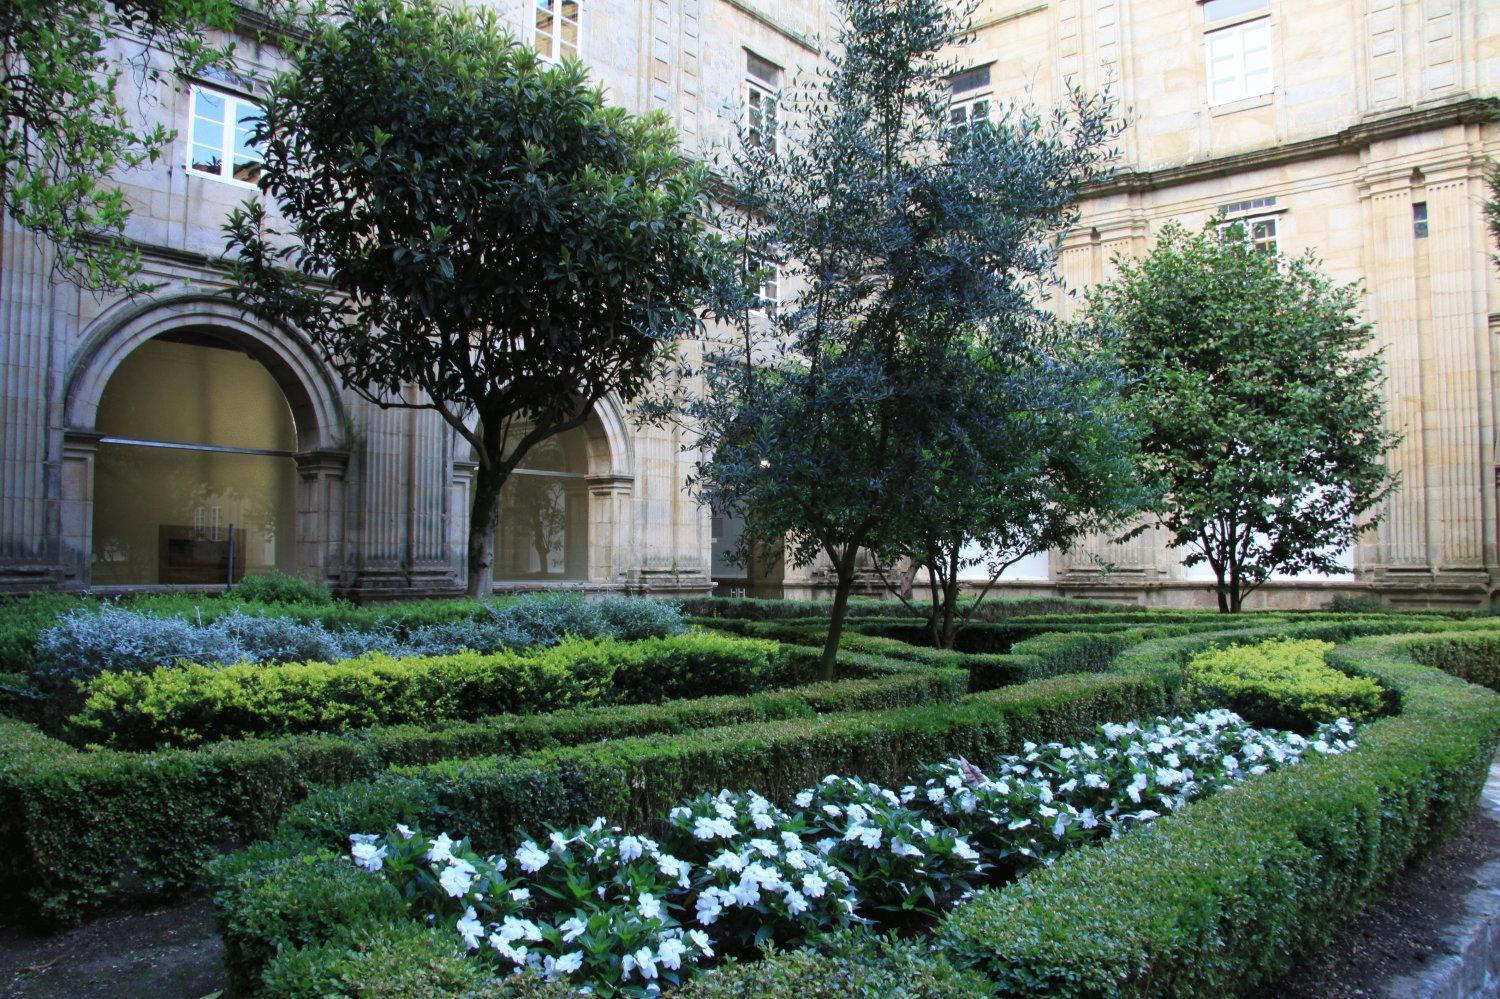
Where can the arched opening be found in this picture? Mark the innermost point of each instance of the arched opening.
(542, 532)
(195, 479)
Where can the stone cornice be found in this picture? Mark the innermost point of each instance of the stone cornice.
(1470, 110)
(790, 34)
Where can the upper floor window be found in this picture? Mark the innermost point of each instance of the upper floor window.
(762, 80)
(1238, 53)
(970, 103)
(558, 29)
(1261, 231)
(1419, 220)
(219, 130)
(768, 291)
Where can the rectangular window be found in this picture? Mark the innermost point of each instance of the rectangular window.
(762, 121)
(970, 101)
(1261, 232)
(559, 29)
(219, 129)
(965, 114)
(768, 294)
(1222, 10)
(1419, 220)
(1239, 61)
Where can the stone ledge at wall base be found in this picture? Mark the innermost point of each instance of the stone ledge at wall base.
(667, 583)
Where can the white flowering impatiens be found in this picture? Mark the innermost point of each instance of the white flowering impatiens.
(621, 914)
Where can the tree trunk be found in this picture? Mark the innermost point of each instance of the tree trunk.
(481, 560)
(836, 619)
(951, 588)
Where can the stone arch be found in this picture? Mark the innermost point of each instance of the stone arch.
(610, 481)
(309, 388)
(310, 391)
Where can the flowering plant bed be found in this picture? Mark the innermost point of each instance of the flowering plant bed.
(727, 873)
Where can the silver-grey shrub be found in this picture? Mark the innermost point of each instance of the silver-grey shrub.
(85, 643)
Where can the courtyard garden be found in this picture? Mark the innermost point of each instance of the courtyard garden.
(546, 794)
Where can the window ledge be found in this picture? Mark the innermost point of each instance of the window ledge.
(1243, 104)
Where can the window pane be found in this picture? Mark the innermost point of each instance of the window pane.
(206, 159)
(1218, 10)
(208, 105)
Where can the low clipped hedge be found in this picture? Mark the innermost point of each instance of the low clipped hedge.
(1228, 894)
(629, 781)
(1470, 656)
(80, 829)
(193, 704)
(1284, 684)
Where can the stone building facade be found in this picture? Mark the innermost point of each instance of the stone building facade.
(170, 440)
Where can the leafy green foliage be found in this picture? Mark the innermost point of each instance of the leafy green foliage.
(191, 704)
(1263, 403)
(1283, 684)
(1228, 894)
(471, 230)
(1472, 657)
(276, 587)
(67, 127)
(914, 251)
(1492, 204)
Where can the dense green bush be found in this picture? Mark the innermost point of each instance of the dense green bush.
(1228, 894)
(276, 587)
(847, 964)
(1283, 684)
(81, 829)
(22, 619)
(1472, 657)
(192, 704)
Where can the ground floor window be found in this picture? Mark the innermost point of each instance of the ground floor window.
(194, 479)
(543, 527)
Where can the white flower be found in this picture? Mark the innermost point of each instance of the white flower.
(702, 942)
(901, 848)
(796, 904)
(728, 861)
(630, 848)
(709, 907)
(405, 831)
(455, 880)
(643, 961)
(531, 857)
(441, 849)
(565, 965)
(669, 952)
(648, 906)
(368, 855)
(520, 894)
(572, 929)
(470, 928)
(813, 886)
(765, 847)
(962, 849)
(803, 799)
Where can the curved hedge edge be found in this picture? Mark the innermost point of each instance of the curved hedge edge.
(632, 780)
(1469, 655)
(1232, 891)
(81, 829)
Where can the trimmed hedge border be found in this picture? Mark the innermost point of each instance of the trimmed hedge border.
(283, 897)
(79, 829)
(265, 909)
(1229, 893)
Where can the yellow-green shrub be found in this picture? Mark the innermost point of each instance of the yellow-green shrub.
(1284, 684)
(187, 705)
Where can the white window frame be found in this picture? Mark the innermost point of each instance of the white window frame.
(232, 103)
(1230, 37)
(961, 111)
(766, 304)
(554, 9)
(1250, 222)
(758, 90)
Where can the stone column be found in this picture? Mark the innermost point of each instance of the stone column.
(77, 508)
(320, 514)
(611, 500)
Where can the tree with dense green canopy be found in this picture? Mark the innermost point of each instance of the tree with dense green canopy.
(908, 243)
(66, 130)
(471, 230)
(1262, 399)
